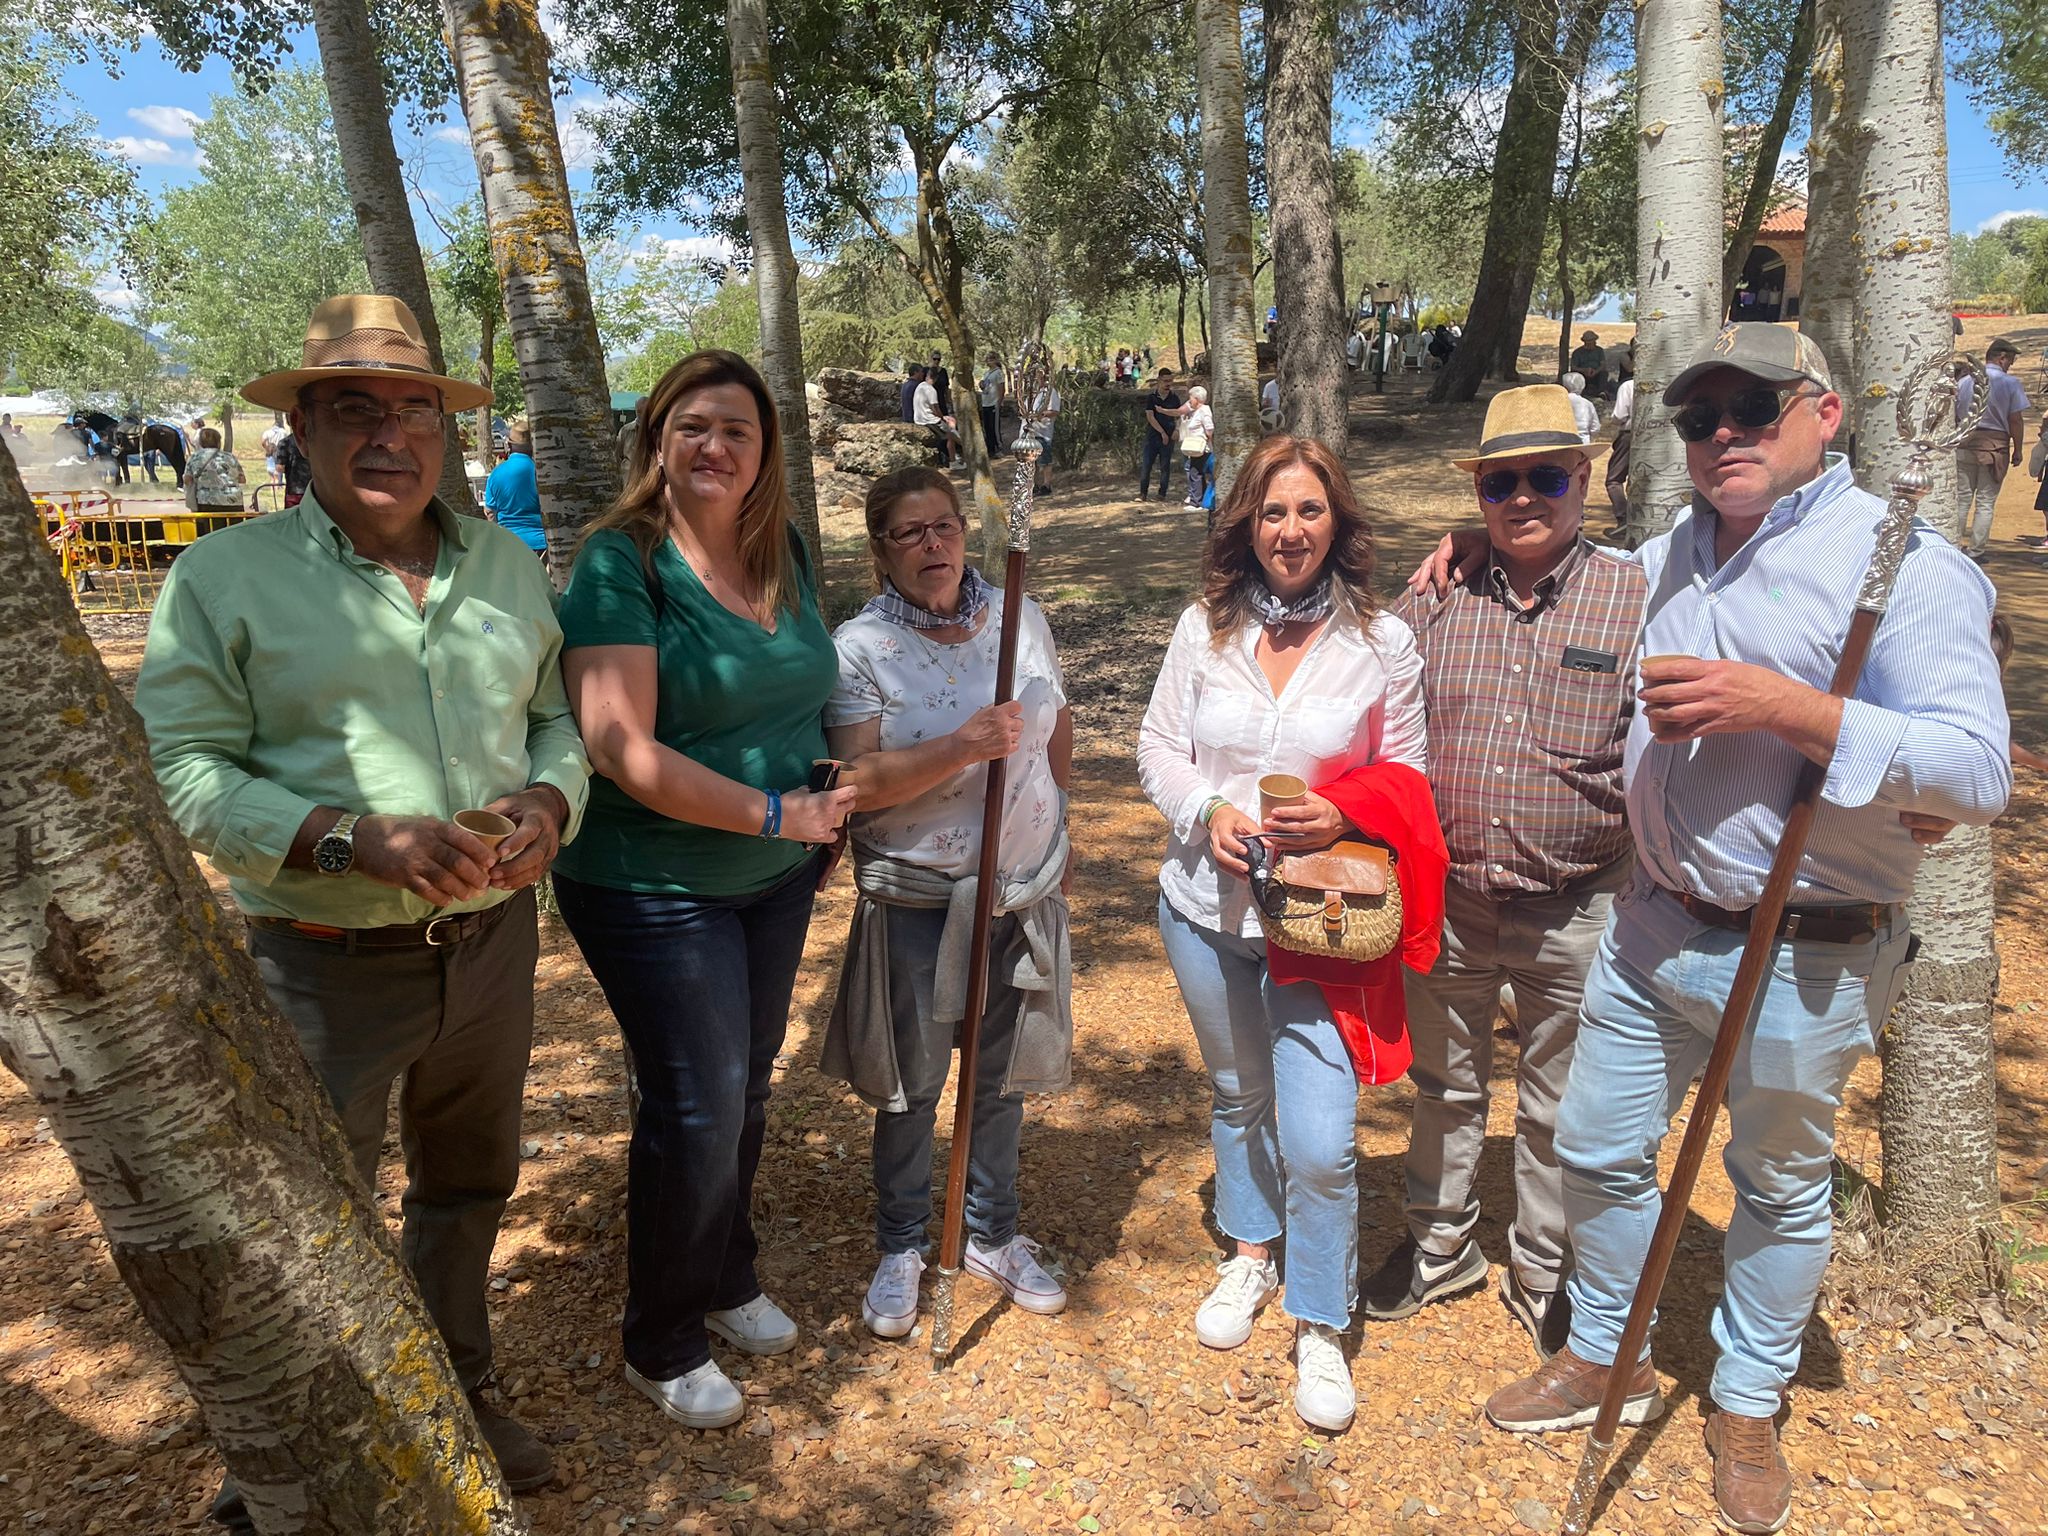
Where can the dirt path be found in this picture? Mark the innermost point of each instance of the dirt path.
(1109, 1417)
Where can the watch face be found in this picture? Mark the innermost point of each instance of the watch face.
(333, 855)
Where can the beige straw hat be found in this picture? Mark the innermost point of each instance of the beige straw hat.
(1536, 418)
(362, 336)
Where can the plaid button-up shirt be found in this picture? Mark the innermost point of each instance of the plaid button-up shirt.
(1529, 709)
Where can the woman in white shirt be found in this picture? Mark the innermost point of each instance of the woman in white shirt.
(915, 718)
(1285, 665)
(1198, 444)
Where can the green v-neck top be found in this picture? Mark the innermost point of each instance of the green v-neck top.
(731, 696)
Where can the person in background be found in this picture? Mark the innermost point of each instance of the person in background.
(1589, 360)
(941, 381)
(1284, 665)
(214, 481)
(1621, 447)
(927, 411)
(1269, 405)
(511, 495)
(1994, 446)
(698, 668)
(1163, 410)
(907, 395)
(1044, 417)
(321, 701)
(1198, 444)
(914, 719)
(1584, 411)
(993, 389)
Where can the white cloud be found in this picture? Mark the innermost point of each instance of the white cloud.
(1998, 219)
(659, 248)
(148, 151)
(166, 122)
(576, 121)
(452, 133)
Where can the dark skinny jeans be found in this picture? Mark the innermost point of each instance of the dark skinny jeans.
(1159, 448)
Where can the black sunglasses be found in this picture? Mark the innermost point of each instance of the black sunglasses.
(1751, 410)
(1547, 480)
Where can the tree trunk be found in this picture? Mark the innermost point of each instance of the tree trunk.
(782, 345)
(1565, 298)
(133, 1015)
(487, 376)
(1202, 308)
(1180, 321)
(1678, 237)
(1227, 237)
(391, 246)
(1763, 176)
(227, 423)
(1308, 285)
(1937, 1117)
(1835, 149)
(501, 69)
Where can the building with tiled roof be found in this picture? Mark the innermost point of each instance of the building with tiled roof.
(1769, 286)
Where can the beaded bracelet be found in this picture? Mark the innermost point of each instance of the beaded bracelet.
(771, 823)
(1210, 807)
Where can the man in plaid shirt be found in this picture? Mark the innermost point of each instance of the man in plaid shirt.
(1529, 672)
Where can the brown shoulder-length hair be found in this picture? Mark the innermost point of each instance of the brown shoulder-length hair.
(639, 512)
(886, 492)
(1230, 568)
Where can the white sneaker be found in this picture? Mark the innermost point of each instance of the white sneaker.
(758, 1328)
(1323, 1394)
(1224, 1320)
(890, 1308)
(703, 1399)
(1015, 1268)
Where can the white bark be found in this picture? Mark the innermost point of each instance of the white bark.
(1227, 237)
(782, 349)
(1937, 1117)
(369, 159)
(135, 1018)
(1679, 231)
(1827, 301)
(501, 69)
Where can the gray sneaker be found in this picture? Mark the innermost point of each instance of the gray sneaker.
(1412, 1278)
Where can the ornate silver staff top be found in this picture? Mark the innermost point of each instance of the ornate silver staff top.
(1030, 386)
(1931, 387)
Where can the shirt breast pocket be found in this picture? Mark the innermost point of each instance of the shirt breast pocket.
(1225, 720)
(1577, 715)
(1328, 725)
(506, 663)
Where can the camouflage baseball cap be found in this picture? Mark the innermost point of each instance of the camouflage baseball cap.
(1774, 353)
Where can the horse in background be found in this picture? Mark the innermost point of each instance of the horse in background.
(168, 441)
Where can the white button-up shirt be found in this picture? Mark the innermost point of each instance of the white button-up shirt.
(1215, 727)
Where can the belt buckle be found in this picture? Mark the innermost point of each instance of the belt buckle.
(443, 931)
(1791, 929)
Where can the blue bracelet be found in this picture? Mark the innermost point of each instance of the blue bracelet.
(771, 823)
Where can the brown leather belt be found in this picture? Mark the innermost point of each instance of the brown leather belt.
(434, 933)
(1850, 924)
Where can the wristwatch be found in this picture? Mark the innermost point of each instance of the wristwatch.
(335, 854)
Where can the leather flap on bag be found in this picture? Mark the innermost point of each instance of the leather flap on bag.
(1348, 865)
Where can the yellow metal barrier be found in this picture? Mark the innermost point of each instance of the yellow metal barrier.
(114, 558)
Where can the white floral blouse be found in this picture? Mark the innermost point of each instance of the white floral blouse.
(921, 689)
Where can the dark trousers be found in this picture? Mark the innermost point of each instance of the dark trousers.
(700, 986)
(1159, 449)
(454, 1026)
(991, 430)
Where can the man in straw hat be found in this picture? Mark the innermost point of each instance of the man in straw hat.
(1589, 360)
(1750, 597)
(324, 690)
(1529, 672)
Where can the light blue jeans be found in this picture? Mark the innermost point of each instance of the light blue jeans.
(1285, 1117)
(1653, 1002)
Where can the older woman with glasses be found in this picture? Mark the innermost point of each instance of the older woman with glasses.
(1285, 665)
(915, 720)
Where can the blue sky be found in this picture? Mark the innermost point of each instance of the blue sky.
(147, 113)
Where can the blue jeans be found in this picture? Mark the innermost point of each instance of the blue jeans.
(1653, 1002)
(1200, 468)
(700, 986)
(1285, 1117)
(924, 1055)
(1163, 452)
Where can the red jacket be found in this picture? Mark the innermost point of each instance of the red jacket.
(1389, 802)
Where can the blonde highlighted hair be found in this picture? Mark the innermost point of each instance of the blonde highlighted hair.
(641, 512)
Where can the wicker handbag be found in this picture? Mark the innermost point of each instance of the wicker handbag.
(1342, 902)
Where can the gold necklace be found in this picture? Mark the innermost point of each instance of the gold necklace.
(951, 645)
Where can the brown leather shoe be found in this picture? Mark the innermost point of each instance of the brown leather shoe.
(523, 1460)
(1564, 1393)
(1752, 1484)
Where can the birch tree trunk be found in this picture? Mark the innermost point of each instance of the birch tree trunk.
(1938, 1108)
(391, 246)
(1835, 147)
(1227, 235)
(782, 348)
(1308, 286)
(132, 1013)
(1679, 232)
(501, 70)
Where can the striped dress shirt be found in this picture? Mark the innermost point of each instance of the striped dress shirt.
(1926, 729)
(1529, 707)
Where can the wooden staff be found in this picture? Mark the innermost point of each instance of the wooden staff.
(1032, 380)
(1908, 486)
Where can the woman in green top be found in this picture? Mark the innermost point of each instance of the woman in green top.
(698, 668)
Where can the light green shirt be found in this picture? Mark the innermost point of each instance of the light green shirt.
(285, 672)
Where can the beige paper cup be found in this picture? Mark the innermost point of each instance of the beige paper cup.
(1279, 789)
(487, 827)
